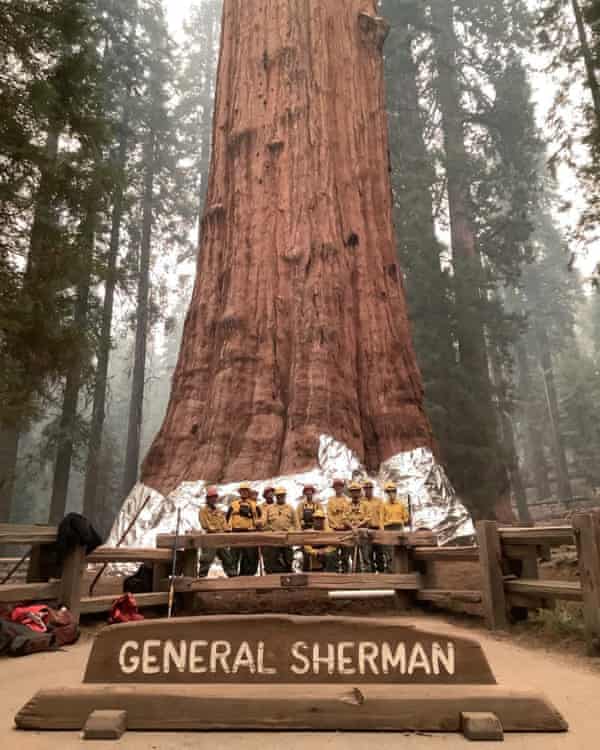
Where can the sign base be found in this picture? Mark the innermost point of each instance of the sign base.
(403, 708)
(279, 672)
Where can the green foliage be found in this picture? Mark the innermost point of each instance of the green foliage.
(479, 145)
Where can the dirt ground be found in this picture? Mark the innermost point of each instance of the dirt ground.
(572, 682)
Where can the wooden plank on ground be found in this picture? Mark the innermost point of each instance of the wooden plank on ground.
(444, 596)
(490, 557)
(446, 554)
(26, 534)
(537, 535)
(567, 590)
(587, 532)
(128, 554)
(29, 592)
(95, 604)
(320, 581)
(290, 707)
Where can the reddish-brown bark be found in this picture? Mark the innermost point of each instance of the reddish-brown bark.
(298, 324)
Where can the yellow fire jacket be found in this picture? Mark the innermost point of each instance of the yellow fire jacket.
(358, 513)
(337, 512)
(213, 520)
(375, 512)
(310, 506)
(394, 513)
(280, 518)
(242, 515)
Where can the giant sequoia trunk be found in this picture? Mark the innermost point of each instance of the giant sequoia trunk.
(298, 323)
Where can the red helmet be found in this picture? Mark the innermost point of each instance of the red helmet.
(212, 491)
(338, 483)
(310, 487)
(268, 489)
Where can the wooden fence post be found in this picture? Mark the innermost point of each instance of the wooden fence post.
(587, 536)
(400, 563)
(190, 570)
(72, 580)
(492, 576)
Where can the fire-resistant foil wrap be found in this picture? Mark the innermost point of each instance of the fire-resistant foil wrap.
(420, 480)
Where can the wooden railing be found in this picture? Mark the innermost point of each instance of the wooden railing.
(510, 574)
(507, 559)
(69, 589)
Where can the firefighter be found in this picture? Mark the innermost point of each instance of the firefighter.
(320, 557)
(377, 554)
(269, 499)
(306, 507)
(358, 515)
(213, 521)
(243, 517)
(280, 516)
(338, 508)
(395, 515)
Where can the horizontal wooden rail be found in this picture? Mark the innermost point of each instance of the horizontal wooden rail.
(129, 554)
(567, 590)
(26, 534)
(446, 554)
(11, 593)
(96, 604)
(445, 597)
(537, 535)
(199, 540)
(301, 582)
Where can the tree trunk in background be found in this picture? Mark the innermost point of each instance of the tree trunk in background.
(487, 476)
(136, 404)
(92, 471)
(535, 441)
(44, 218)
(413, 177)
(560, 459)
(68, 421)
(9, 450)
(298, 324)
(64, 454)
(514, 469)
(588, 59)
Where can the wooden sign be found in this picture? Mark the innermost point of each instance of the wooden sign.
(283, 649)
(278, 672)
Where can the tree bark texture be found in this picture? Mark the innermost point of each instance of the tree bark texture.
(298, 323)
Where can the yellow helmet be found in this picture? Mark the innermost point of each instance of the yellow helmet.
(280, 491)
(245, 486)
(354, 486)
(390, 487)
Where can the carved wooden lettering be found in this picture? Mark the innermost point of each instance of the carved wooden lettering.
(282, 649)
